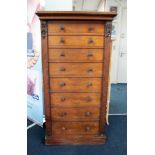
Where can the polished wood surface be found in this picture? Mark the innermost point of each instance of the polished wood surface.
(75, 128)
(76, 15)
(75, 114)
(75, 54)
(72, 27)
(75, 41)
(75, 100)
(75, 69)
(75, 85)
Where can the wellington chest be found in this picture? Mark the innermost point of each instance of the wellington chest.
(75, 55)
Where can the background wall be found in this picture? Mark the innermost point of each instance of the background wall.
(119, 47)
(58, 5)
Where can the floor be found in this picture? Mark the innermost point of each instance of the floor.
(116, 132)
(118, 99)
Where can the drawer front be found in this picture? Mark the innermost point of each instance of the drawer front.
(75, 85)
(75, 114)
(75, 69)
(80, 27)
(75, 100)
(75, 41)
(75, 128)
(75, 55)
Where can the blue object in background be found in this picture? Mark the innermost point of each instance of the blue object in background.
(34, 94)
(30, 51)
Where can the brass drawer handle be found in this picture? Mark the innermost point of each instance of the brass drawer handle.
(88, 113)
(63, 98)
(89, 55)
(62, 40)
(63, 114)
(62, 28)
(87, 128)
(89, 84)
(88, 99)
(90, 70)
(90, 28)
(90, 40)
(62, 84)
(62, 69)
(62, 54)
(63, 128)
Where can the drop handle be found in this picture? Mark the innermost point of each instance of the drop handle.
(63, 114)
(63, 99)
(89, 84)
(88, 99)
(89, 55)
(62, 28)
(88, 113)
(63, 128)
(90, 28)
(87, 128)
(62, 69)
(62, 40)
(62, 54)
(89, 70)
(62, 84)
(90, 40)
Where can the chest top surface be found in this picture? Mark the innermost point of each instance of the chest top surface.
(75, 15)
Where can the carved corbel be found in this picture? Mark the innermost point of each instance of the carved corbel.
(108, 29)
(43, 29)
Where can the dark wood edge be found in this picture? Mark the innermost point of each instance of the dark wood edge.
(61, 61)
(75, 34)
(75, 140)
(81, 106)
(69, 13)
(76, 47)
(76, 15)
(44, 44)
(105, 81)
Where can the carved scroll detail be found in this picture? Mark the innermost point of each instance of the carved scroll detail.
(108, 27)
(43, 29)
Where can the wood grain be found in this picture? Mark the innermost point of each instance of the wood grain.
(75, 128)
(75, 85)
(76, 15)
(72, 27)
(105, 80)
(45, 66)
(75, 69)
(75, 100)
(75, 114)
(75, 139)
(76, 55)
(75, 41)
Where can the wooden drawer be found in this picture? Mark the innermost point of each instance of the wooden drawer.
(76, 41)
(74, 27)
(75, 55)
(75, 85)
(75, 128)
(75, 69)
(75, 100)
(75, 114)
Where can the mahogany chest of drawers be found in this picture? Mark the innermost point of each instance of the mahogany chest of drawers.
(75, 55)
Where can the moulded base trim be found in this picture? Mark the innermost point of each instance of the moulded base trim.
(75, 140)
